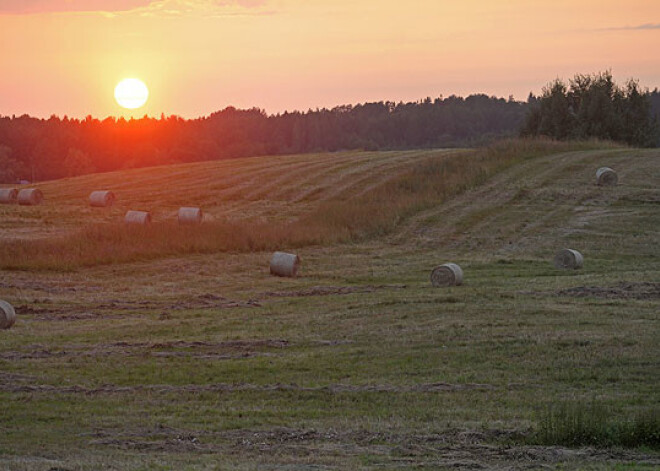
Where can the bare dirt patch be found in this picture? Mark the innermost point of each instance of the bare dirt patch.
(179, 444)
(234, 349)
(644, 197)
(330, 290)
(6, 377)
(63, 313)
(624, 290)
(226, 387)
(204, 301)
(50, 288)
(426, 387)
(234, 344)
(116, 309)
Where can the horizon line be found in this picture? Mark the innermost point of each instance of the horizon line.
(279, 113)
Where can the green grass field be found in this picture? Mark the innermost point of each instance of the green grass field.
(177, 350)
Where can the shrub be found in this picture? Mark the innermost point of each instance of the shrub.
(591, 424)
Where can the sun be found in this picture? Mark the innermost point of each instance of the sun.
(131, 93)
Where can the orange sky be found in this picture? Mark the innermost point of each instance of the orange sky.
(198, 56)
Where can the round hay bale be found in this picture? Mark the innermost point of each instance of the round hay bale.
(569, 259)
(190, 215)
(7, 315)
(30, 197)
(102, 199)
(605, 176)
(137, 217)
(285, 264)
(448, 274)
(8, 195)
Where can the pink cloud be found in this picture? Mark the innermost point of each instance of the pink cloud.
(46, 6)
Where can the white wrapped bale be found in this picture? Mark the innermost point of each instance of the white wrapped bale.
(569, 259)
(190, 215)
(137, 217)
(8, 195)
(7, 315)
(605, 176)
(30, 197)
(448, 274)
(101, 199)
(284, 264)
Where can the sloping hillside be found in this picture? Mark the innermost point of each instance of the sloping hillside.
(278, 188)
(549, 202)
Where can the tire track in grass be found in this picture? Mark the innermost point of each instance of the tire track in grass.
(328, 186)
(491, 200)
(259, 186)
(287, 182)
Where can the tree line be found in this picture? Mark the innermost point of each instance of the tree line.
(588, 106)
(42, 149)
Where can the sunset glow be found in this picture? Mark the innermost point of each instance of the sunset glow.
(199, 56)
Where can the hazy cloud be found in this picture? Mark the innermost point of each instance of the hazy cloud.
(634, 28)
(167, 7)
(202, 7)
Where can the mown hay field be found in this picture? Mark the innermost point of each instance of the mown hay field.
(194, 357)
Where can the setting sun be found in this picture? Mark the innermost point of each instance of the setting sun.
(131, 93)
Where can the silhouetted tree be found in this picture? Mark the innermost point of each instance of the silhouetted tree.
(593, 107)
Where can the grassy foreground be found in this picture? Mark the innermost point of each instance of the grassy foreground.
(204, 361)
